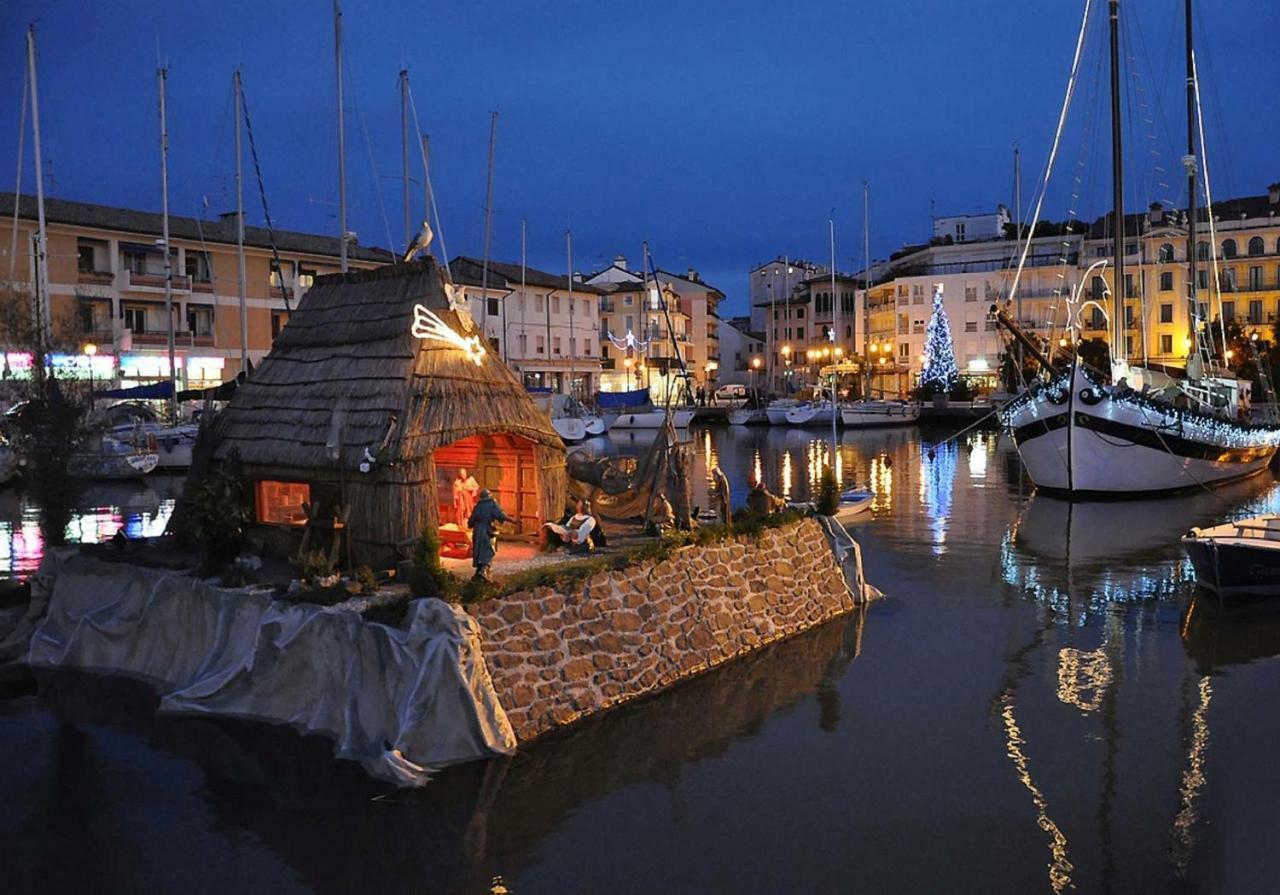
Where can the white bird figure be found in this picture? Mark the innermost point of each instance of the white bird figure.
(420, 242)
(460, 304)
(427, 325)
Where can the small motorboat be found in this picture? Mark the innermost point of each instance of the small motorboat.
(873, 414)
(134, 422)
(653, 418)
(1237, 559)
(853, 503)
(748, 416)
(113, 459)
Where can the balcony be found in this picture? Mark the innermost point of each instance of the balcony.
(606, 306)
(155, 281)
(181, 339)
(201, 285)
(96, 277)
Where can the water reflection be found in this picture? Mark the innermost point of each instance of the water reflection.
(141, 509)
(937, 482)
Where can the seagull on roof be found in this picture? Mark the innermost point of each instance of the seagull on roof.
(420, 242)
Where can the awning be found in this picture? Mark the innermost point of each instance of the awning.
(156, 391)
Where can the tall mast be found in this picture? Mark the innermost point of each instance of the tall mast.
(568, 253)
(240, 269)
(1017, 211)
(161, 75)
(342, 139)
(404, 153)
(42, 308)
(866, 285)
(835, 330)
(524, 300)
(426, 180)
(488, 219)
(1117, 192)
(1189, 162)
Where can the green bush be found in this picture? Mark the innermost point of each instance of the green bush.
(428, 578)
(364, 577)
(828, 494)
(313, 566)
(216, 518)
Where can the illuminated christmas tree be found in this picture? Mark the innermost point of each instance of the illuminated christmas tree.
(940, 374)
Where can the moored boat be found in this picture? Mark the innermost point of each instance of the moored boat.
(113, 459)
(814, 413)
(1237, 560)
(873, 414)
(777, 410)
(748, 416)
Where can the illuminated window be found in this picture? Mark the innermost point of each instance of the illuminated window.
(280, 503)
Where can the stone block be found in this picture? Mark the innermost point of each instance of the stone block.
(626, 621)
(576, 669)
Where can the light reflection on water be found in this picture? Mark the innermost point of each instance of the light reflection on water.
(140, 509)
(1038, 670)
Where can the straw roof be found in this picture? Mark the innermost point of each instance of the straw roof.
(348, 357)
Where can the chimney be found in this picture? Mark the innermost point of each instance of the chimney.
(1273, 193)
(1157, 213)
(693, 275)
(229, 217)
(620, 261)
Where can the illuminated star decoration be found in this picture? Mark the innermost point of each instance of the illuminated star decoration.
(629, 341)
(426, 325)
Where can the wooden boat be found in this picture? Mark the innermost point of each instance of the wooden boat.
(877, 414)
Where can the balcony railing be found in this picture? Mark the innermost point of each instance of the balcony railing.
(96, 277)
(198, 285)
(132, 280)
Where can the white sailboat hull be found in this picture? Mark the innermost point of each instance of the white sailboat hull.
(778, 410)
(1086, 443)
(873, 414)
(748, 416)
(569, 428)
(653, 419)
(811, 415)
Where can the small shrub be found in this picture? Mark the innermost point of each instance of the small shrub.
(391, 613)
(828, 494)
(313, 566)
(428, 578)
(216, 518)
(364, 577)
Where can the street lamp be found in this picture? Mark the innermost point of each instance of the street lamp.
(90, 350)
(630, 375)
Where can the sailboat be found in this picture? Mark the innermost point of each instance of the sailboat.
(1085, 439)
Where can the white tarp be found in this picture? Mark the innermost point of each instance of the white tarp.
(400, 701)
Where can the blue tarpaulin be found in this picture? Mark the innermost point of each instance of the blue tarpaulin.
(613, 400)
(159, 390)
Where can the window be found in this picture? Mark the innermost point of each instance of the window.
(1099, 320)
(1228, 248)
(1100, 252)
(1202, 251)
(970, 293)
(85, 261)
(1166, 313)
(1099, 288)
(278, 320)
(1166, 253)
(1228, 279)
(1255, 310)
(1256, 246)
(799, 313)
(86, 316)
(542, 344)
(306, 277)
(523, 341)
(799, 332)
(904, 323)
(960, 232)
(197, 267)
(555, 304)
(775, 315)
(280, 503)
(134, 262)
(848, 332)
(1131, 248)
(555, 345)
(626, 301)
(1228, 311)
(1166, 281)
(1128, 316)
(1128, 344)
(971, 326)
(1129, 291)
(1202, 279)
(904, 350)
(539, 303)
(1166, 344)
(200, 321)
(1255, 279)
(135, 318)
(491, 307)
(586, 347)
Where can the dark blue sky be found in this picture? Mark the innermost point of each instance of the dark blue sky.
(723, 131)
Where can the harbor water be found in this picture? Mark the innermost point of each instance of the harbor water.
(1043, 702)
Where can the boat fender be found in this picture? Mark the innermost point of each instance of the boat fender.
(151, 443)
(1057, 396)
(1090, 396)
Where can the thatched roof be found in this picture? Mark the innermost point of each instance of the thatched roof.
(348, 350)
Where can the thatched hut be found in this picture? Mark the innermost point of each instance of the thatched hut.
(376, 393)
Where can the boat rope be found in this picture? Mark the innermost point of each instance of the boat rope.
(262, 192)
(17, 189)
(368, 148)
(431, 192)
(1053, 150)
(1208, 202)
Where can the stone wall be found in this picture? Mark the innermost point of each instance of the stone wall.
(556, 657)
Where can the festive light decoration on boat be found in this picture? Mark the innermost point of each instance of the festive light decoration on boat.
(628, 341)
(426, 325)
(940, 371)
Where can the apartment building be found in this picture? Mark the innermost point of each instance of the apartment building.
(544, 325)
(774, 280)
(741, 353)
(696, 319)
(106, 288)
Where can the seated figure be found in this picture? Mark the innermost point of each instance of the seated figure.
(760, 500)
(579, 532)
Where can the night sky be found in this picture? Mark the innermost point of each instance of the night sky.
(725, 133)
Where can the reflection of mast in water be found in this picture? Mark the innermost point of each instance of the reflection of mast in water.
(1060, 867)
(786, 474)
(828, 690)
(937, 480)
(1193, 781)
(881, 482)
